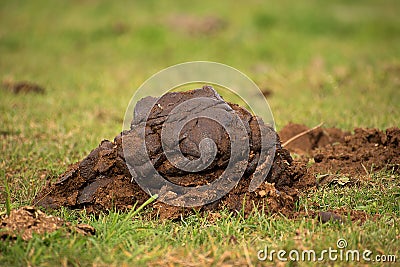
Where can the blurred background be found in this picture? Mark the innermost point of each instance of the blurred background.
(336, 61)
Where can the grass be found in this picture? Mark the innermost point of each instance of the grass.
(6, 194)
(336, 62)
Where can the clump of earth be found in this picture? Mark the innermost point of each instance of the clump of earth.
(331, 153)
(26, 221)
(102, 181)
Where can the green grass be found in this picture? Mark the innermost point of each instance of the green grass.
(336, 62)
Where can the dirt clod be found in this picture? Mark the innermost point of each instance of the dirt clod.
(342, 215)
(22, 87)
(28, 220)
(326, 216)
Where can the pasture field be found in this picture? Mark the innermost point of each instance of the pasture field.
(336, 62)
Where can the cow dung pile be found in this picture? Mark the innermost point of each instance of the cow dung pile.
(103, 181)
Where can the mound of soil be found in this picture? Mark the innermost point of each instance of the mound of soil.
(331, 153)
(317, 138)
(27, 220)
(102, 180)
(361, 153)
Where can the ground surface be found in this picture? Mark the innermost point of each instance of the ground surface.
(68, 72)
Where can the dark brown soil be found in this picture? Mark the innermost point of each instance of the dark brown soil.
(307, 143)
(26, 221)
(332, 153)
(365, 151)
(22, 87)
(102, 181)
(340, 215)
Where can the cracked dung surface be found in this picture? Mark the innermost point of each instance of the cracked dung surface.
(102, 180)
